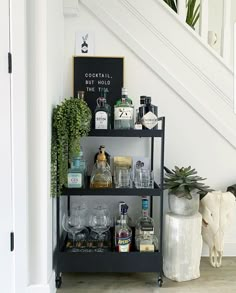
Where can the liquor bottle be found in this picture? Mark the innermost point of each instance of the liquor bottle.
(118, 218)
(102, 113)
(108, 157)
(124, 112)
(123, 233)
(148, 114)
(101, 174)
(76, 174)
(145, 239)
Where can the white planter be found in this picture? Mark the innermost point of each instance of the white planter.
(183, 206)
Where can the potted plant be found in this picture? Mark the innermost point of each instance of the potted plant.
(193, 10)
(184, 188)
(71, 120)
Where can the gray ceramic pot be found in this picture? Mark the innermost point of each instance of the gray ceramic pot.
(183, 206)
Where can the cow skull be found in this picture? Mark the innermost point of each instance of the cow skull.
(217, 209)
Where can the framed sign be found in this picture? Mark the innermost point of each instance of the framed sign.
(95, 74)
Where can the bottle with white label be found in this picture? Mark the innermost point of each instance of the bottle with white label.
(124, 112)
(102, 113)
(76, 174)
(148, 114)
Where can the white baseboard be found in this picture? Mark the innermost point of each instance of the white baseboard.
(229, 250)
(46, 288)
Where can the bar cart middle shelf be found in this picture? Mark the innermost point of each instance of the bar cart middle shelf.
(111, 261)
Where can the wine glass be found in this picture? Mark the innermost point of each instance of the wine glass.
(75, 223)
(100, 220)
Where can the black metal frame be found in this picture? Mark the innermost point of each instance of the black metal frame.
(113, 261)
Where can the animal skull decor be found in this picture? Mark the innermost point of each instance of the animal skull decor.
(217, 209)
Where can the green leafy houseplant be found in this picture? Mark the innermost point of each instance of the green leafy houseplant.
(182, 181)
(193, 10)
(70, 121)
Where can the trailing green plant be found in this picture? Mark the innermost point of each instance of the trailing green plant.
(193, 10)
(70, 121)
(183, 181)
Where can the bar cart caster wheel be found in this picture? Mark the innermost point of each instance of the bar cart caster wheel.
(160, 282)
(58, 282)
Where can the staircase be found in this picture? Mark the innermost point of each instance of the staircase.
(175, 53)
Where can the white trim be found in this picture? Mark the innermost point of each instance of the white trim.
(226, 31)
(71, 8)
(19, 136)
(47, 288)
(219, 115)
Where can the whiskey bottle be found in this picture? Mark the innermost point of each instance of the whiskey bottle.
(148, 114)
(102, 113)
(123, 233)
(124, 112)
(145, 239)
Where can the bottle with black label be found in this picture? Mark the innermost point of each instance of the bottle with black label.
(102, 113)
(148, 114)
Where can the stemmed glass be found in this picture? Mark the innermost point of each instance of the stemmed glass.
(75, 223)
(100, 221)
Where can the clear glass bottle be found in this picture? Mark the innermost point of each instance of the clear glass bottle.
(102, 113)
(124, 112)
(76, 174)
(101, 174)
(145, 239)
(123, 232)
(148, 114)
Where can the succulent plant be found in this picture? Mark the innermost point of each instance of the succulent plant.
(183, 181)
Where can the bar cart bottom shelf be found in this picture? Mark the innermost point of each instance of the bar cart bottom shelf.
(69, 262)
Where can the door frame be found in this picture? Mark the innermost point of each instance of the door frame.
(18, 25)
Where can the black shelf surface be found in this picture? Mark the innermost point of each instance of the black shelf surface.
(156, 191)
(126, 133)
(109, 261)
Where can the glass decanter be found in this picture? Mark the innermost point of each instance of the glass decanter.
(101, 174)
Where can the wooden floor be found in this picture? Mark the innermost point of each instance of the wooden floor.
(212, 280)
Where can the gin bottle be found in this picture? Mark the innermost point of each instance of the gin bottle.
(124, 112)
(76, 174)
(102, 113)
(123, 233)
(145, 239)
(148, 114)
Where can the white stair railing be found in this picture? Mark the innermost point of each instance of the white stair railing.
(203, 19)
(181, 9)
(226, 31)
(226, 41)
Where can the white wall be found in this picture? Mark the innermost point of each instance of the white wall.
(45, 80)
(189, 139)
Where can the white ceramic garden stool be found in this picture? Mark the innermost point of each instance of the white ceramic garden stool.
(182, 247)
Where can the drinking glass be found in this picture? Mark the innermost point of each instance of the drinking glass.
(123, 177)
(144, 178)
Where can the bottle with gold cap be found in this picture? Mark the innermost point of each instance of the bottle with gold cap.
(101, 174)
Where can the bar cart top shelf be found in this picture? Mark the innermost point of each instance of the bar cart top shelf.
(126, 132)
